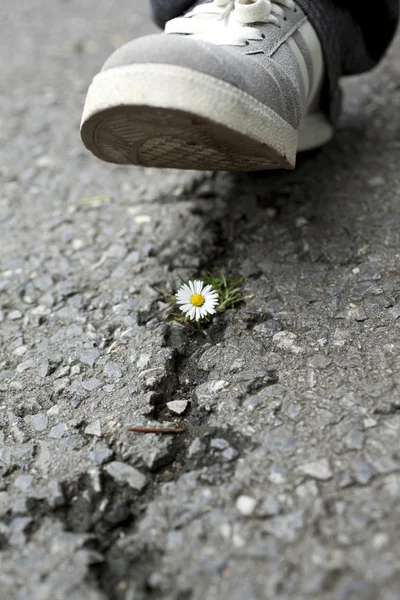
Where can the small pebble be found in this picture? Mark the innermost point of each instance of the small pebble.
(25, 366)
(14, 315)
(368, 423)
(318, 469)
(89, 357)
(20, 351)
(91, 384)
(111, 369)
(246, 505)
(125, 474)
(195, 447)
(38, 422)
(178, 406)
(94, 428)
(23, 482)
(219, 444)
(58, 430)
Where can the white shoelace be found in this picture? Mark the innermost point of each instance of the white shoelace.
(229, 22)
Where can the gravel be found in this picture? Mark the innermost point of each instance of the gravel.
(123, 473)
(285, 484)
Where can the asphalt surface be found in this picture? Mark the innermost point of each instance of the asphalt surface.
(286, 482)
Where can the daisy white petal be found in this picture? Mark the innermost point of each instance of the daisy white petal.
(207, 289)
(184, 289)
(186, 307)
(208, 305)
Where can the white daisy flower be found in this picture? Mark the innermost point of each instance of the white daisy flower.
(197, 301)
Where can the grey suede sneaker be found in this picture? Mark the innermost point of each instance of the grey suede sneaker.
(231, 85)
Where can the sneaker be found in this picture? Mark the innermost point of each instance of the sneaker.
(231, 85)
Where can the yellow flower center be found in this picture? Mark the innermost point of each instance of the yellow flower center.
(197, 300)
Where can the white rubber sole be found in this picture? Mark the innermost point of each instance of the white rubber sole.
(170, 116)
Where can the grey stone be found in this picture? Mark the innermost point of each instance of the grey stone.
(246, 505)
(61, 384)
(178, 406)
(286, 527)
(159, 581)
(277, 474)
(287, 340)
(354, 439)
(158, 455)
(394, 312)
(91, 384)
(38, 422)
(280, 443)
(318, 469)
(195, 447)
(18, 527)
(24, 450)
(20, 351)
(43, 282)
(362, 471)
(19, 436)
(89, 357)
(229, 454)
(125, 474)
(55, 494)
(294, 410)
(25, 366)
(207, 394)
(94, 428)
(23, 483)
(385, 464)
(58, 431)
(219, 444)
(5, 456)
(308, 489)
(4, 503)
(269, 507)
(143, 361)
(346, 480)
(44, 369)
(101, 455)
(392, 484)
(19, 507)
(14, 315)
(319, 361)
(111, 369)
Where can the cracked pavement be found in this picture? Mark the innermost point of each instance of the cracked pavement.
(286, 482)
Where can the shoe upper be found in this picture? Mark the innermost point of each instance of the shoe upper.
(277, 60)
